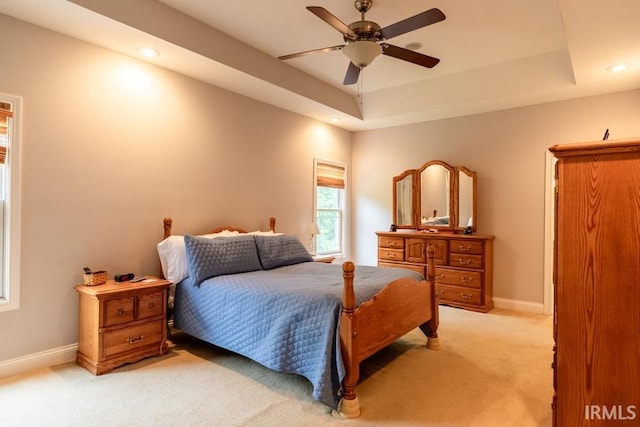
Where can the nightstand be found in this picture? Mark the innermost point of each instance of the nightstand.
(121, 322)
(326, 259)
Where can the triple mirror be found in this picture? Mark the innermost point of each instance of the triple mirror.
(435, 196)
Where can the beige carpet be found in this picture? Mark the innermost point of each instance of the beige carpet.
(493, 370)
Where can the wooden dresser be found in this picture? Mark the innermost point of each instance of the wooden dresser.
(597, 285)
(464, 264)
(121, 323)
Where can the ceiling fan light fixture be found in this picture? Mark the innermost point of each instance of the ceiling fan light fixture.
(362, 52)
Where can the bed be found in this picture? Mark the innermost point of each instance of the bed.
(292, 314)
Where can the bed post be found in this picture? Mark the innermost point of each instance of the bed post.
(430, 328)
(272, 224)
(349, 406)
(167, 222)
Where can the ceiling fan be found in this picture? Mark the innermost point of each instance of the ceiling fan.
(365, 40)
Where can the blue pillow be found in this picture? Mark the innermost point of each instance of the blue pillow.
(222, 255)
(278, 251)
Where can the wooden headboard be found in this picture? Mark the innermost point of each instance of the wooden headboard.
(168, 222)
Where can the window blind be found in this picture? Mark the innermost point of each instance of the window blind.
(5, 114)
(328, 175)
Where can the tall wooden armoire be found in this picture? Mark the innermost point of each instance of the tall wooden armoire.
(597, 284)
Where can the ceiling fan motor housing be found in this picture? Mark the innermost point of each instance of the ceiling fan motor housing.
(365, 30)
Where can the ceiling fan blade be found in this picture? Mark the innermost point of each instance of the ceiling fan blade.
(420, 20)
(353, 72)
(330, 19)
(409, 55)
(311, 52)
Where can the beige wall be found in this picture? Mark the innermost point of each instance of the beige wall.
(111, 145)
(507, 150)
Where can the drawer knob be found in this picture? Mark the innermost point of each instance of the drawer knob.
(464, 261)
(464, 248)
(465, 296)
(440, 276)
(441, 292)
(132, 340)
(466, 279)
(151, 305)
(120, 312)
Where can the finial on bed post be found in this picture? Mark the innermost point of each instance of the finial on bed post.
(272, 224)
(167, 222)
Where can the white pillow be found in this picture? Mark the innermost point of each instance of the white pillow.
(173, 255)
(265, 233)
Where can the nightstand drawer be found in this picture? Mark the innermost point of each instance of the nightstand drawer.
(467, 261)
(133, 337)
(118, 311)
(466, 247)
(458, 294)
(391, 242)
(391, 254)
(459, 277)
(150, 305)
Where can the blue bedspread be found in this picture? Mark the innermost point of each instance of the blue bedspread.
(285, 319)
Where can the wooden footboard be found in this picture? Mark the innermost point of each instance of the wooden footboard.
(400, 307)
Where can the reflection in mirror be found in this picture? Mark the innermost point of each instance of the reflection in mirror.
(435, 196)
(404, 201)
(466, 192)
(404, 195)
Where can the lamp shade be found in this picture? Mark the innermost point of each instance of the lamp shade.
(313, 229)
(362, 52)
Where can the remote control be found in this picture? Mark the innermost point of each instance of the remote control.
(137, 279)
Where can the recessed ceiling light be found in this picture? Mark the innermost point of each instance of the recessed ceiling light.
(413, 46)
(148, 52)
(617, 68)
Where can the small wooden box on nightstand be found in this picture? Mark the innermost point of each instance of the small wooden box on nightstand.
(121, 322)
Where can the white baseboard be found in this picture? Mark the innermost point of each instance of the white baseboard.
(43, 359)
(516, 305)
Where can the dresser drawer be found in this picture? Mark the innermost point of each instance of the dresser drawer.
(150, 305)
(133, 337)
(448, 276)
(466, 247)
(391, 242)
(391, 254)
(467, 261)
(417, 268)
(458, 294)
(118, 311)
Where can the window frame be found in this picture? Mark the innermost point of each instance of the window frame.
(342, 212)
(10, 279)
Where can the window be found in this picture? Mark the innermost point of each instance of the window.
(9, 204)
(329, 207)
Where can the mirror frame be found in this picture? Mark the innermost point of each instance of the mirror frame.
(474, 196)
(454, 202)
(452, 199)
(396, 179)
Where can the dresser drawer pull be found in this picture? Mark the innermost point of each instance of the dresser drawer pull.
(392, 243)
(464, 248)
(391, 255)
(151, 305)
(466, 279)
(132, 340)
(441, 292)
(466, 296)
(120, 312)
(440, 276)
(462, 261)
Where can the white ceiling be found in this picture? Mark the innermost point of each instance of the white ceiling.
(495, 54)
